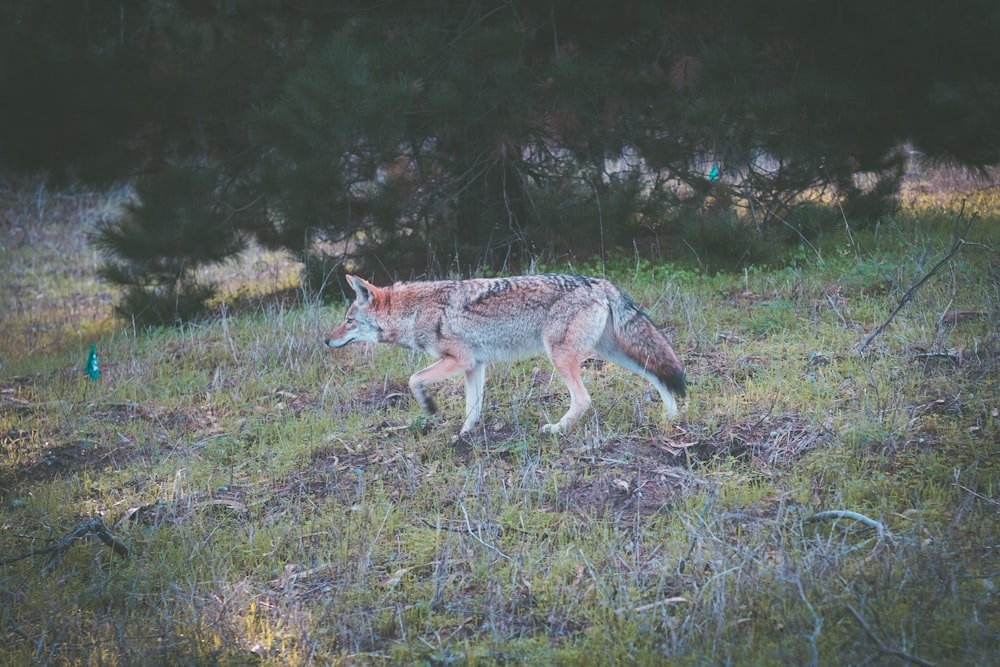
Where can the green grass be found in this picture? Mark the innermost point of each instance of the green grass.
(285, 504)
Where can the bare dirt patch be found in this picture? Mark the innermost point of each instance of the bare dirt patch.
(345, 474)
(630, 477)
(769, 441)
(382, 397)
(633, 477)
(63, 460)
(33, 455)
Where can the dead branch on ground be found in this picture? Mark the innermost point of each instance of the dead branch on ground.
(830, 515)
(94, 526)
(882, 646)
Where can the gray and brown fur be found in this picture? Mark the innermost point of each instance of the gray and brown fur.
(467, 324)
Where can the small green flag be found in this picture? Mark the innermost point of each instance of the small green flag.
(714, 174)
(92, 370)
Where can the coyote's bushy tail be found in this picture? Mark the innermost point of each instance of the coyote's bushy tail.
(644, 349)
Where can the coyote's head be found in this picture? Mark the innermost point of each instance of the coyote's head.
(359, 325)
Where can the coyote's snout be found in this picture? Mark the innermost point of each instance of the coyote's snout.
(466, 324)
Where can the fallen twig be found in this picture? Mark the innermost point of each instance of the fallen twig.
(94, 526)
(882, 646)
(12, 626)
(473, 533)
(479, 526)
(954, 356)
(956, 316)
(854, 516)
(652, 605)
(977, 495)
(956, 247)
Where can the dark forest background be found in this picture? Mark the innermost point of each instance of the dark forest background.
(435, 137)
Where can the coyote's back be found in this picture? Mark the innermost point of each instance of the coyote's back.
(468, 324)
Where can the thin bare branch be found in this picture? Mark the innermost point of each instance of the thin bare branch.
(473, 532)
(56, 551)
(882, 646)
(957, 245)
(853, 516)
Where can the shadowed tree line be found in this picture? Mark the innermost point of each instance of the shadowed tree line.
(423, 136)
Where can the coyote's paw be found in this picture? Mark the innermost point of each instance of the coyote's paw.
(554, 429)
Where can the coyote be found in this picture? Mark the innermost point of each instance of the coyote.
(466, 324)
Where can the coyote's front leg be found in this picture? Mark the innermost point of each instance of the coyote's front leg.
(475, 380)
(442, 369)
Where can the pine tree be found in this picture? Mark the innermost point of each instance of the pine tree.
(175, 227)
(436, 136)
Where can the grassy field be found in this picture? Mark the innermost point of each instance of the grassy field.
(250, 497)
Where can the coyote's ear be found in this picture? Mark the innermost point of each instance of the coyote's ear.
(362, 288)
